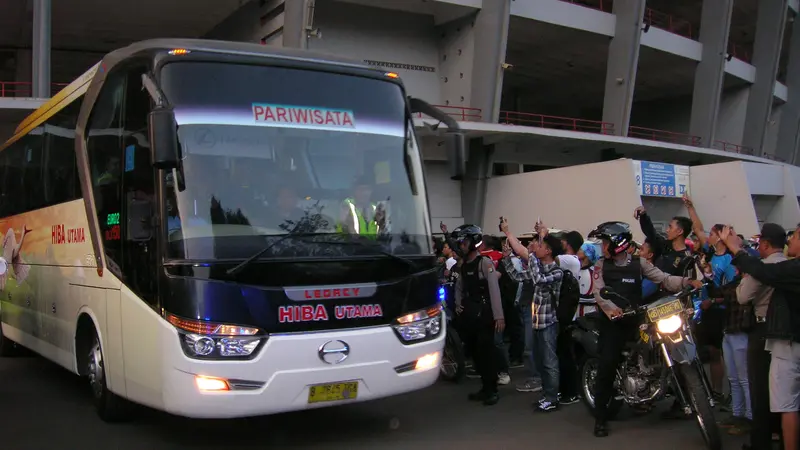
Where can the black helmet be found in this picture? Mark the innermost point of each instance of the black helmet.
(618, 234)
(471, 233)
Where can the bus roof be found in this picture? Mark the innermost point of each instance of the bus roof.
(81, 84)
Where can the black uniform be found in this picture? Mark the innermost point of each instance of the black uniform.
(627, 282)
(477, 322)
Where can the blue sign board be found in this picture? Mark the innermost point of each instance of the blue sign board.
(661, 180)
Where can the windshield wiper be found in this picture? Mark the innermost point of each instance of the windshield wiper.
(241, 266)
(364, 244)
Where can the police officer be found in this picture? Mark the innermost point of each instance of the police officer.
(359, 214)
(622, 273)
(479, 309)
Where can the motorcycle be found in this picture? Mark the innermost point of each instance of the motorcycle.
(454, 364)
(663, 361)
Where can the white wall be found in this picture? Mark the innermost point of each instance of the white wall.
(366, 33)
(566, 198)
(444, 195)
(721, 195)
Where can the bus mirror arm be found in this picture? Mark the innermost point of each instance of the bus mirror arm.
(455, 139)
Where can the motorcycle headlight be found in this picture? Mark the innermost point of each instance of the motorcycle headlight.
(419, 326)
(669, 325)
(206, 340)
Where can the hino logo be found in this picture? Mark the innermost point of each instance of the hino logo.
(334, 352)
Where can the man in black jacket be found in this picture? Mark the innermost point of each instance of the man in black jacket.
(782, 331)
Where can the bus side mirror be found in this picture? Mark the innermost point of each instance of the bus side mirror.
(455, 143)
(163, 138)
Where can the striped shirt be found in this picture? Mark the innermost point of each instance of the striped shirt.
(546, 279)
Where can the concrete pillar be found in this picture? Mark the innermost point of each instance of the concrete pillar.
(473, 185)
(41, 48)
(295, 15)
(770, 25)
(472, 52)
(623, 61)
(709, 76)
(788, 147)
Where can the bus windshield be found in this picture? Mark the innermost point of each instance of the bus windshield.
(268, 151)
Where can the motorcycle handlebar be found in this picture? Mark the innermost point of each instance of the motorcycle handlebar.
(627, 312)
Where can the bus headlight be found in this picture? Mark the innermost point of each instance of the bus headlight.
(206, 340)
(669, 325)
(420, 325)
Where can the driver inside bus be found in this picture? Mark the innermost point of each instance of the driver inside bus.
(359, 215)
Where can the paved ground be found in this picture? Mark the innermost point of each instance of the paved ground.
(45, 407)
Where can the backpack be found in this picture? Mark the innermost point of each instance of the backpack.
(569, 297)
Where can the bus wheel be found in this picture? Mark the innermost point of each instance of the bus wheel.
(110, 407)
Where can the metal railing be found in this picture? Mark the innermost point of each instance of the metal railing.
(24, 88)
(733, 148)
(739, 52)
(461, 113)
(670, 23)
(555, 122)
(663, 136)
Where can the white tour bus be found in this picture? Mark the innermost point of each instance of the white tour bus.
(220, 230)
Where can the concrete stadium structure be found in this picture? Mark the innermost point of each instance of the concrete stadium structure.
(698, 96)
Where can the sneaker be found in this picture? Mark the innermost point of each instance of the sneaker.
(571, 400)
(546, 406)
(516, 364)
(491, 399)
(530, 386)
(472, 373)
(503, 378)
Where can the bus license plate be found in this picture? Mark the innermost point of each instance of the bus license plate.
(664, 310)
(333, 392)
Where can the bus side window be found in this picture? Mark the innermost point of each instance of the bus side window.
(138, 183)
(104, 148)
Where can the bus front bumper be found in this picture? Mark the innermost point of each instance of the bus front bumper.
(280, 377)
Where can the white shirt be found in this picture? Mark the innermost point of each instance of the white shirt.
(571, 263)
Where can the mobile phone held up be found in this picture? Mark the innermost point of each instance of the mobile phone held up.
(500, 226)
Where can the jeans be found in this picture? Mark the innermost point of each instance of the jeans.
(544, 354)
(734, 352)
(527, 354)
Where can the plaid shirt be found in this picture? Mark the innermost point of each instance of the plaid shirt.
(738, 318)
(546, 279)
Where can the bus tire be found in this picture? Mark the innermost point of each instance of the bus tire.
(109, 406)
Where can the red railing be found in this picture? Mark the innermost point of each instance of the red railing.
(558, 123)
(669, 23)
(739, 52)
(460, 113)
(600, 5)
(663, 136)
(734, 148)
(24, 88)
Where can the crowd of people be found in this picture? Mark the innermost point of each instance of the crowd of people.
(514, 295)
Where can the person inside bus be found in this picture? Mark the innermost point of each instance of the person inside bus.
(111, 173)
(359, 215)
(285, 213)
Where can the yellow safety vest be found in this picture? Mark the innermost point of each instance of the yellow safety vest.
(360, 225)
